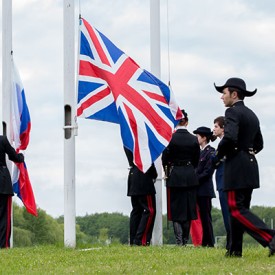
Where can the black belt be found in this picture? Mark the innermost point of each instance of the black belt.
(182, 163)
(247, 150)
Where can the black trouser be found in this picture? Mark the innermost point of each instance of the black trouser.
(242, 219)
(205, 207)
(142, 219)
(5, 220)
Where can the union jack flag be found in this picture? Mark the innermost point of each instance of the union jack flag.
(113, 88)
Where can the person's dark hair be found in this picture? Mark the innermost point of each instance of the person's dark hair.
(220, 121)
(209, 138)
(185, 119)
(239, 92)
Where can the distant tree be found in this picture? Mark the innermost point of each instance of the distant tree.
(116, 223)
(82, 238)
(103, 235)
(38, 226)
(265, 213)
(217, 222)
(119, 227)
(18, 217)
(60, 219)
(45, 229)
(30, 230)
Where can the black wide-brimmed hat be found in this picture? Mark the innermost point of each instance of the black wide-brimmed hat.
(237, 83)
(205, 131)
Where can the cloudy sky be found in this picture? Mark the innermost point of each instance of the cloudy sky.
(209, 42)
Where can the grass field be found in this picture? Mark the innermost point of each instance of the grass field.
(122, 259)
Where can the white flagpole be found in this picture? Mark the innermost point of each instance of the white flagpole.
(6, 76)
(69, 123)
(155, 69)
(6, 65)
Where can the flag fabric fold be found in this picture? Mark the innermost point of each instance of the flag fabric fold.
(113, 88)
(20, 133)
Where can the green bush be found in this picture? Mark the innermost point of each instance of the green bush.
(21, 237)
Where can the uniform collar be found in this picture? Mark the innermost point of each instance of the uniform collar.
(181, 127)
(205, 147)
(238, 103)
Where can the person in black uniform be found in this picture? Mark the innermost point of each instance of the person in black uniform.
(242, 140)
(218, 131)
(205, 171)
(142, 191)
(179, 161)
(6, 190)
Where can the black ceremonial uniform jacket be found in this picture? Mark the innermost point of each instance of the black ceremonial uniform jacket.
(205, 171)
(180, 159)
(140, 183)
(242, 140)
(5, 178)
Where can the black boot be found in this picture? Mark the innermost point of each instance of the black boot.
(185, 231)
(178, 233)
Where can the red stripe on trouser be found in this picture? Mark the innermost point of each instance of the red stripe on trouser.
(237, 214)
(149, 221)
(169, 216)
(8, 229)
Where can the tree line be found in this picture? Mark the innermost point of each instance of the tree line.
(102, 228)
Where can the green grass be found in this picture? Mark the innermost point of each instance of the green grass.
(122, 259)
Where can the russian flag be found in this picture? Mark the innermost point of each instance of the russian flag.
(20, 134)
